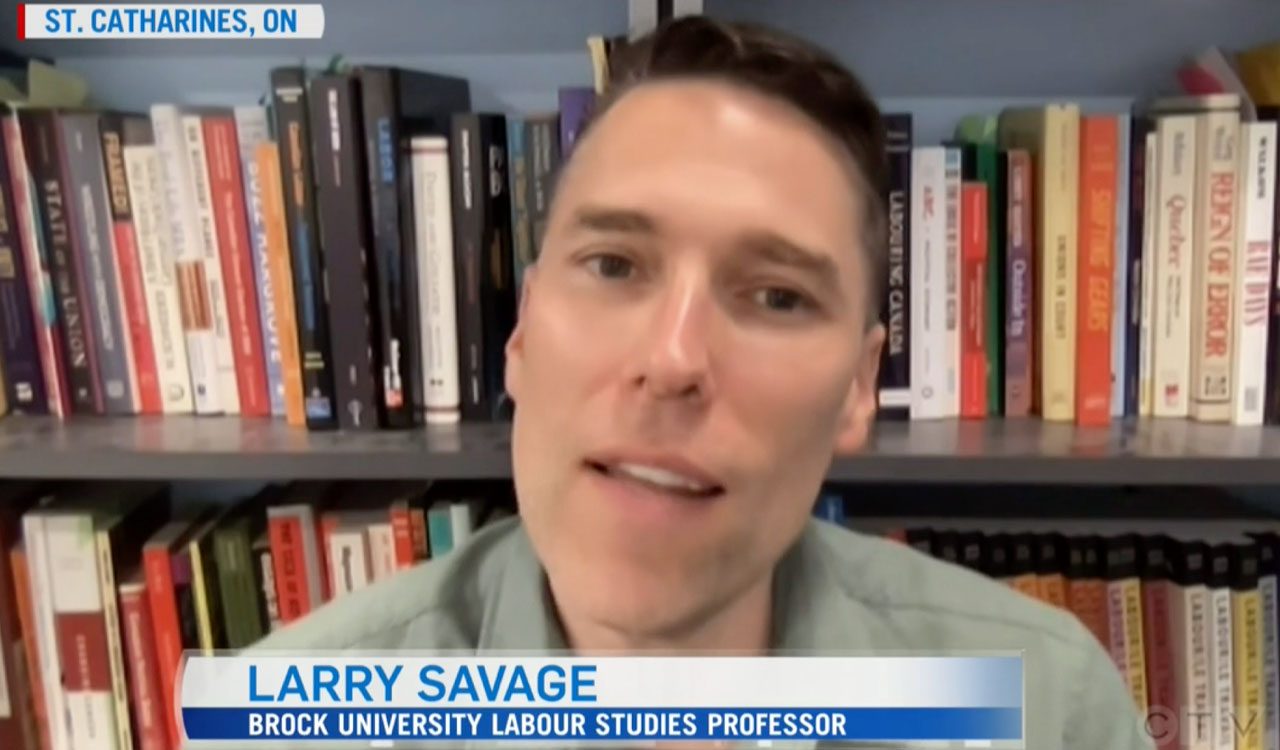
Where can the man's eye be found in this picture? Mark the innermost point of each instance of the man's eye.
(779, 299)
(611, 266)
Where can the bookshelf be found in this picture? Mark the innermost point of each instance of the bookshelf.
(1018, 451)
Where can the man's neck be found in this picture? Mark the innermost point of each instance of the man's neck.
(743, 627)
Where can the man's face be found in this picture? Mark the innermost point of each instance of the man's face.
(693, 347)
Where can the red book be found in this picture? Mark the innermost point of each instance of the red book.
(226, 189)
(157, 563)
(30, 642)
(1096, 247)
(1161, 690)
(143, 676)
(17, 726)
(973, 275)
(129, 267)
(402, 533)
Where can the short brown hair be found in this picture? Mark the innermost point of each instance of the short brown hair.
(784, 67)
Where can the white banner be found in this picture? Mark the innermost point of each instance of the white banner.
(440, 682)
(169, 21)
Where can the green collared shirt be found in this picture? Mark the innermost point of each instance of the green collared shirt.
(836, 592)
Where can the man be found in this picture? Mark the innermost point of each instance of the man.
(698, 339)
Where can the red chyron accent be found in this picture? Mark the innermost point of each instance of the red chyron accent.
(22, 20)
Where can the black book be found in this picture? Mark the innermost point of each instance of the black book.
(1153, 558)
(1050, 554)
(920, 539)
(306, 259)
(41, 141)
(946, 546)
(895, 308)
(1139, 129)
(1271, 410)
(24, 375)
(972, 550)
(482, 259)
(346, 240)
(1188, 563)
(397, 105)
(996, 564)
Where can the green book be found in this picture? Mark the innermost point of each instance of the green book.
(980, 130)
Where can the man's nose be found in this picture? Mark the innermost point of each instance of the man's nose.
(674, 359)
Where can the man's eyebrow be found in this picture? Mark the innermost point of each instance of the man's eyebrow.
(774, 248)
(604, 219)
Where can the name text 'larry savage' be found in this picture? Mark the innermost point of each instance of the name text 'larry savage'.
(357, 683)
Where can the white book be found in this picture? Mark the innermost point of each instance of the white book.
(188, 257)
(193, 130)
(1217, 165)
(1270, 663)
(115, 639)
(1174, 260)
(382, 550)
(1120, 282)
(1146, 327)
(73, 569)
(952, 352)
(928, 253)
(1222, 689)
(1188, 617)
(437, 308)
(462, 521)
(348, 560)
(164, 308)
(1253, 267)
(42, 586)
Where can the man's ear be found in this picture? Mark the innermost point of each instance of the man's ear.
(515, 343)
(859, 409)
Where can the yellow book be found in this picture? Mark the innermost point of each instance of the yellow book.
(1246, 651)
(1052, 135)
(1259, 71)
(1135, 646)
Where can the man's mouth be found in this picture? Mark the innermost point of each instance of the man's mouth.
(659, 479)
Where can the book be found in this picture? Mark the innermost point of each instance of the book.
(894, 394)
(1095, 273)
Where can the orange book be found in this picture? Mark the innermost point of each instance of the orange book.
(30, 643)
(973, 300)
(1099, 145)
(279, 267)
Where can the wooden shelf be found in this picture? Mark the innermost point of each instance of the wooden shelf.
(1014, 451)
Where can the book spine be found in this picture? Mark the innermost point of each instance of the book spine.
(197, 156)
(231, 227)
(1136, 284)
(143, 678)
(1246, 668)
(393, 285)
(953, 334)
(164, 308)
(988, 172)
(24, 376)
(1252, 267)
(1116, 644)
(1212, 327)
(35, 536)
(1200, 626)
(44, 303)
(252, 131)
(576, 106)
(29, 628)
(438, 312)
(1020, 326)
(1173, 260)
(278, 268)
(928, 282)
(467, 162)
(163, 601)
(306, 257)
(1161, 691)
(41, 141)
(1268, 603)
(1135, 648)
(346, 238)
(1147, 332)
(266, 580)
(973, 294)
(81, 631)
(518, 188)
(288, 556)
(1060, 181)
(402, 536)
(91, 236)
(15, 708)
(114, 641)
(1271, 409)
(544, 145)
(1220, 669)
(1120, 265)
(895, 364)
(128, 268)
(188, 259)
(1095, 275)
